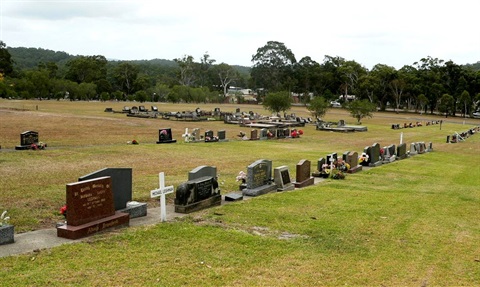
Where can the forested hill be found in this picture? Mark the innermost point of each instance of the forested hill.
(28, 58)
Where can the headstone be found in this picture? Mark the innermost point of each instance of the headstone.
(331, 157)
(91, 209)
(263, 134)
(413, 149)
(199, 192)
(303, 177)
(344, 155)
(374, 156)
(430, 147)
(254, 135)
(209, 137)
(27, 139)
(121, 188)
(222, 136)
(422, 147)
(402, 151)
(389, 154)
(259, 178)
(282, 179)
(165, 136)
(352, 160)
(320, 168)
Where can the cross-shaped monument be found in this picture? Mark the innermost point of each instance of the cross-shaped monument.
(161, 191)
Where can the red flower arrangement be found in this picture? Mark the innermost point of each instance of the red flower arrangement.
(63, 211)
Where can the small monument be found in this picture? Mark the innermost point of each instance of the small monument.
(259, 178)
(374, 155)
(282, 179)
(91, 209)
(162, 191)
(303, 177)
(199, 192)
(165, 136)
(29, 140)
(352, 160)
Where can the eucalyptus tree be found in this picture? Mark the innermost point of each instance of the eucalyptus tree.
(466, 100)
(383, 75)
(349, 73)
(446, 104)
(186, 70)
(307, 75)
(125, 75)
(273, 67)
(318, 107)
(87, 69)
(226, 74)
(429, 73)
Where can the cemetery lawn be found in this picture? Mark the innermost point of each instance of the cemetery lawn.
(414, 222)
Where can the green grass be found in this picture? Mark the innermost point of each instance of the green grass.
(413, 222)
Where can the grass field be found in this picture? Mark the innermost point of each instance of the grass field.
(414, 222)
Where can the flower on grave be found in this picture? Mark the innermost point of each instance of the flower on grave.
(242, 176)
(337, 174)
(134, 142)
(63, 211)
(4, 219)
(300, 132)
(363, 157)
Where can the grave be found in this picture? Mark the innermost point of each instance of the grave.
(29, 140)
(303, 177)
(413, 149)
(422, 148)
(121, 188)
(259, 178)
(91, 209)
(352, 160)
(374, 155)
(389, 154)
(282, 179)
(402, 151)
(222, 136)
(429, 147)
(321, 165)
(254, 135)
(209, 137)
(165, 136)
(199, 192)
(263, 134)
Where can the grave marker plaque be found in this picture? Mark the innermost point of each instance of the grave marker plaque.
(402, 151)
(374, 156)
(352, 160)
(27, 139)
(165, 136)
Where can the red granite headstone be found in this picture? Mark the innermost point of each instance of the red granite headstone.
(91, 209)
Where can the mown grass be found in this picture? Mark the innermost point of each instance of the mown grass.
(414, 222)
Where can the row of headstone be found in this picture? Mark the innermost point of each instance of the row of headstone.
(195, 137)
(457, 137)
(416, 124)
(264, 134)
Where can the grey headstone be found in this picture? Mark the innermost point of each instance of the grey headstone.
(402, 151)
(202, 171)
(121, 184)
(259, 178)
(282, 178)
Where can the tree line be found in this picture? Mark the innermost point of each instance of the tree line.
(429, 85)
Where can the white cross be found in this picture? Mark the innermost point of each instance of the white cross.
(161, 191)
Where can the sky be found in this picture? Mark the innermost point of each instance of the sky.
(370, 32)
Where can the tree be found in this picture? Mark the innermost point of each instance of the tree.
(277, 102)
(446, 104)
(226, 75)
(6, 63)
(186, 71)
(466, 100)
(360, 109)
(383, 76)
(422, 100)
(273, 66)
(318, 107)
(125, 75)
(397, 86)
(87, 69)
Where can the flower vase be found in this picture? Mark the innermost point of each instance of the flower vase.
(6, 234)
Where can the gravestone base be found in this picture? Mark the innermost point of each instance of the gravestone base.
(319, 174)
(375, 164)
(166, 141)
(137, 210)
(355, 169)
(307, 182)
(199, 205)
(402, 156)
(287, 187)
(117, 220)
(389, 160)
(22, 147)
(264, 189)
(6, 234)
(233, 196)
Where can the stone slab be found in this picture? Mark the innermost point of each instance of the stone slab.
(206, 203)
(137, 210)
(355, 169)
(7, 233)
(307, 182)
(264, 189)
(117, 220)
(233, 196)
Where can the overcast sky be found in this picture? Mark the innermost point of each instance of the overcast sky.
(395, 33)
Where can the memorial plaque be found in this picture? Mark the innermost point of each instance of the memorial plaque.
(28, 138)
(352, 160)
(402, 151)
(165, 136)
(259, 178)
